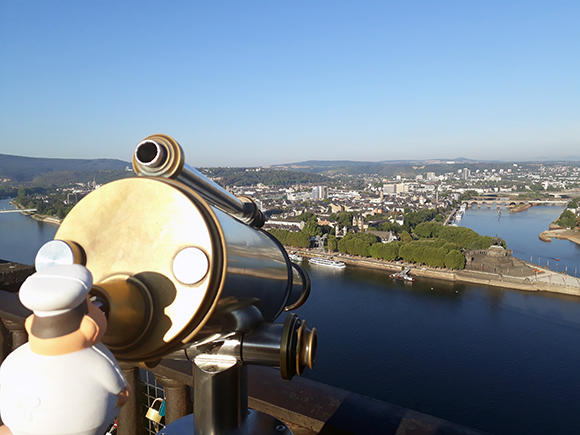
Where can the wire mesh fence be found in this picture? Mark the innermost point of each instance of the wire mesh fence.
(151, 391)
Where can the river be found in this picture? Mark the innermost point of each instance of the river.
(521, 230)
(502, 361)
(22, 236)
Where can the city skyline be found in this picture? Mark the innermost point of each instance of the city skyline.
(262, 83)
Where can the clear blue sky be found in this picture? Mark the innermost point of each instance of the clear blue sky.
(242, 83)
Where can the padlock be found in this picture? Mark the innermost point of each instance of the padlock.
(155, 415)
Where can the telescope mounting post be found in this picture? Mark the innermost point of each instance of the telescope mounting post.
(221, 402)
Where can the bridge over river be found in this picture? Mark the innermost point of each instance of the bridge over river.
(510, 203)
(18, 211)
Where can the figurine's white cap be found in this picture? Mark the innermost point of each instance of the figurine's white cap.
(56, 289)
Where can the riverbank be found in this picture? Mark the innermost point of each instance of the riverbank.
(523, 276)
(520, 207)
(46, 219)
(39, 217)
(560, 234)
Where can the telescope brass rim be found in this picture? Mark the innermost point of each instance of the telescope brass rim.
(130, 312)
(172, 165)
(310, 348)
(299, 356)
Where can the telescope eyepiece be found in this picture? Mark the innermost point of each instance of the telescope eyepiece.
(150, 153)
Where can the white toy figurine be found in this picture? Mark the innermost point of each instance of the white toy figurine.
(63, 381)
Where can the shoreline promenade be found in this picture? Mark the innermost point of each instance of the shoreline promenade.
(522, 276)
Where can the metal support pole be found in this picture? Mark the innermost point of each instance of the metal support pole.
(220, 403)
(130, 418)
(177, 398)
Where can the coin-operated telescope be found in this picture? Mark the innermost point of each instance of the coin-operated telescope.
(182, 270)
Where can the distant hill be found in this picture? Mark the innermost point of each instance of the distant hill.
(387, 169)
(347, 163)
(269, 177)
(54, 171)
(383, 168)
(43, 172)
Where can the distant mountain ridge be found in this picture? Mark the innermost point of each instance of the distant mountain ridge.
(59, 172)
(408, 168)
(26, 169)
(343, 163)
(383, 168)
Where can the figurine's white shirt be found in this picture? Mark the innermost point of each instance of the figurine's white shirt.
(65, 394)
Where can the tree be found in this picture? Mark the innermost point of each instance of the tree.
(357, 244)
(332, 243)
(454, 260)
(312, 228)
(385, 251)
(305, 216)
(344, 218)
(427, 229)
(567, 219)
(22, 194)
(466, 238)
(467, 195)
(405, 236)
(413, 219)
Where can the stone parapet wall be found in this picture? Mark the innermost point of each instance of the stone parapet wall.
(12, 275)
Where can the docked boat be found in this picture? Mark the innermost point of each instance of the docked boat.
(295, 257)
(327, 262)
(403, 275)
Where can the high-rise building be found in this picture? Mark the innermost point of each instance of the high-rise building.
(396, 188)
(320, 192)
(389, 188)
(402, 188)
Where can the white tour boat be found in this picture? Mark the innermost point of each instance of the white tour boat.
(327, 262)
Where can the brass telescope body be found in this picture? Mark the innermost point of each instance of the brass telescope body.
(175, 258)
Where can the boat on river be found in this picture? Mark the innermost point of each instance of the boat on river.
(320, 261)
(403, 275)
(295, 257)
